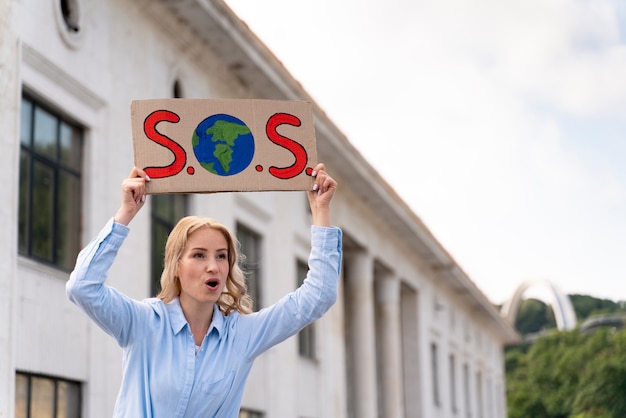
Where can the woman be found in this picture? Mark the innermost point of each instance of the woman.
(188, 352)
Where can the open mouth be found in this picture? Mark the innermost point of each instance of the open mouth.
(212, 284)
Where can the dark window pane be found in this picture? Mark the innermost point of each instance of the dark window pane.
(453, 383)
(435, 373)
(162, 207)
(466, 388)
(26, 122)
(167, 209)
(306, 337)
(70, 153)
(45, 133)
(245, 413)
(42, 398)
(159, 238)
(24, 204)
(50, 186)
(21, 396)
(177, 90)
(68, 400)
(179, 205)
(42, 211)
(68, 240)
(251, 249)
(46, 397)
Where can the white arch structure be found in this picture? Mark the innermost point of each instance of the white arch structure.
(561, 304)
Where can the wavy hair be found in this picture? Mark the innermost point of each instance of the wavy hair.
(235, 296)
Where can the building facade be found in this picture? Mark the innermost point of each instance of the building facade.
(410, 336)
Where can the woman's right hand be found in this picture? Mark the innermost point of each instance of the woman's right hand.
(133, 196)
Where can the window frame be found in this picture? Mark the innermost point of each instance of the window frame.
(434, 359)
(479, 394)
(250, 413)
(453, 384)
(466, 390)
(60, 169)
(306, 337)
(55, 402)
(178, 207)
(251, 262)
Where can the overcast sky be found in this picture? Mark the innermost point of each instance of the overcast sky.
(514, 113)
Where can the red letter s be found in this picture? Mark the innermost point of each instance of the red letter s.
(180, 156)
(294, 147)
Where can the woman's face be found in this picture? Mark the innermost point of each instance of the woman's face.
(203, 267)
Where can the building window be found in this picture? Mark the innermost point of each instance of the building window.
(434, 354)
(45, 396)
(248, 413)
(71, 15)
(306, 337)
(251, 250)
(500, 410)
(489, 403)
(167, 209)
(49, 218)
(177, 89)
(453, 384)
(466, 390)
(479, 393)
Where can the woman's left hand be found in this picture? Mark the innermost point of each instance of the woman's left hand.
(321, 195)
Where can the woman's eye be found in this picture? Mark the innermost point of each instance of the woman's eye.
(198, 255)
(221, 256)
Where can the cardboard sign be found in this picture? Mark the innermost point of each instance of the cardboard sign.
(204, 146)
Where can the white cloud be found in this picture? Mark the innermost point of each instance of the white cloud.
(484, 92)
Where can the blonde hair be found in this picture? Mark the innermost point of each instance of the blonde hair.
(235, 296)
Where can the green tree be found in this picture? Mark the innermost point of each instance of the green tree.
(568, 374)
(602, 390)
(586, 306)
(534, 316)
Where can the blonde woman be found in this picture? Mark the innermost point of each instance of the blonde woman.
(188, 352)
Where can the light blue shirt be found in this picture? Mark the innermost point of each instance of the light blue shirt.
(163, 375)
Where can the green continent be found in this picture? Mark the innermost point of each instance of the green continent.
(208, 167)
(224, 134)
(228, 132)
(224, 154)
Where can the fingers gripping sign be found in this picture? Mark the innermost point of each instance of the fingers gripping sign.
(320, 196)
(133, 196)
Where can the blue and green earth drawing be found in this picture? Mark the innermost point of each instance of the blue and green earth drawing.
(223, 145)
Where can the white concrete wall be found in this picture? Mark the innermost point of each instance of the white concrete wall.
(9, 121)
(134, 50)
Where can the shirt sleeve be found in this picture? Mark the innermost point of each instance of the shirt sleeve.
(117, 314)
(308, 303)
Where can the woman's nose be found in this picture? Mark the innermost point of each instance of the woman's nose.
(211, 264)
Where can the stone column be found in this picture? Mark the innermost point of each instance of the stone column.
(390, 346)
(361, 342)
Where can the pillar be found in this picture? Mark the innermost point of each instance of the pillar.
(361, 344)
(389, 346)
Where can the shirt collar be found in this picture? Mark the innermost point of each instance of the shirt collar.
(218, 320)
(178, 320)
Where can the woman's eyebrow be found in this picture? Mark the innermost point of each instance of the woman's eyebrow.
(204, 249)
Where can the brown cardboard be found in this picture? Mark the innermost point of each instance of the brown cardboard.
(280, 145)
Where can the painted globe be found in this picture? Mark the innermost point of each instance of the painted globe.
(223, 145)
